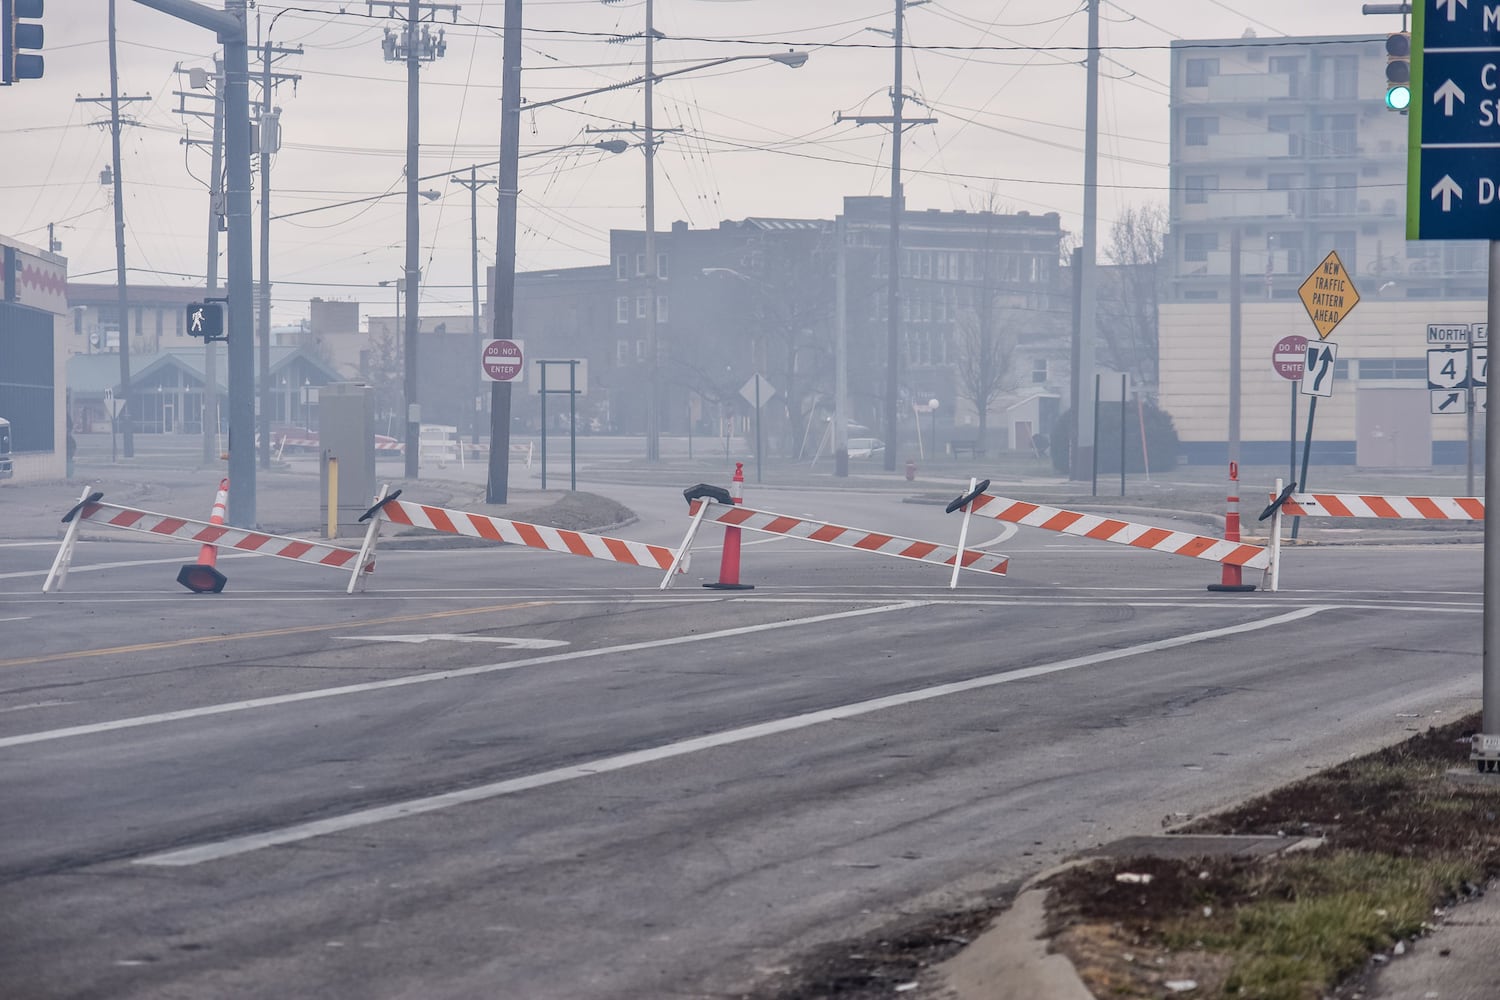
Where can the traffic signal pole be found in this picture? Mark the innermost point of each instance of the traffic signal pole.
(229, 24)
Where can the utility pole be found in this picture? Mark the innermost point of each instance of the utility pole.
(841, 352)
(414, 45)
(270, 142)
(473, 183)
(197, 80)
(127, 409)
(1083, 360)
(898, 125)
(653, 413)
(504, 298)
(268, 124)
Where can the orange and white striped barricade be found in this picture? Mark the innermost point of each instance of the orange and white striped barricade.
(389, 507)
(1387, 507)
(1108, 529)
(90, 508)
(1287, 502)
(714, 504)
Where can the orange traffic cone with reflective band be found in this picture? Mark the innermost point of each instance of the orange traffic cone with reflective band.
(1231, 579)
(203, 577)
(729, 558)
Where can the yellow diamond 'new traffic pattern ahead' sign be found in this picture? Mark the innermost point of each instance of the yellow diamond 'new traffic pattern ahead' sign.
(1328, 294)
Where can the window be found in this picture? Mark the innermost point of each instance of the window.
(1336, 194)
(640, 350)
(1292, 127)
(1197, 187)
(1039, 371)
(1196, 246)
(1389, 369)
(1345, 78)
(622, 308)
(661, 308)
(640, 264)
(1199, 71)
(622, 266)
(622, 352)
(1199, 129)
(661, 265)
(640, 307)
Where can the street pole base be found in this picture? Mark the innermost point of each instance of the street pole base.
(730, 586)
(1231, 588)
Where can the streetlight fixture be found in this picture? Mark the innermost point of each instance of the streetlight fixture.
(793, 60)
(473, 182)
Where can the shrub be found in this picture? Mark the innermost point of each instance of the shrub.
(1161, 439)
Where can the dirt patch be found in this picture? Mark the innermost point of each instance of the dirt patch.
(1399, 841)
(888, 963)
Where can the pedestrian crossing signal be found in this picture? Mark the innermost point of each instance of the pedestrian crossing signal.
(205, 320)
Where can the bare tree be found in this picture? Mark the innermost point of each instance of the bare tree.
(986, 354)
(383, 370)
(1130, 293)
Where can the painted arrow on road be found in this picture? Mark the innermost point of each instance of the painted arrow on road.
(494, 640)
(1447, 189)
(1447, 93)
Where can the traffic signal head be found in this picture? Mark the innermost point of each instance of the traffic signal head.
(1398, 71)
(20, 40)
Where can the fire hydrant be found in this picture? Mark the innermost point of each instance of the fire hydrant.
(911, 469)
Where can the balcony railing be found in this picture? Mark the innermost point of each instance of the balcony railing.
(1248, 87)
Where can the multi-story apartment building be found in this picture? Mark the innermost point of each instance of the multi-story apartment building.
(760, 294)
(1286, 145)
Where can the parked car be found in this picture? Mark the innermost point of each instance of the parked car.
(865, 447)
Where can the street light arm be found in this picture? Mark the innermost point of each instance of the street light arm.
(792, 59)
(429, 195)
(608, 145)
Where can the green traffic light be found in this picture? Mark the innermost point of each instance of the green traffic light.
(1398, 98)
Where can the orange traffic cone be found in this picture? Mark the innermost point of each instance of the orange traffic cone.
(729, 558)
(203, 577)
(1231, 580)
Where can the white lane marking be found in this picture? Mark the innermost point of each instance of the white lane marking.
(443, 675)
(619, 762)
(460, 637)
(36, 704)
(28, 545)
(17, 618)
(96, 567)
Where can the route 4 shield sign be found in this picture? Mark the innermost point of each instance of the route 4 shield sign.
(1317, 375)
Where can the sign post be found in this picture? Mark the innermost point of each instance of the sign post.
(1451, 194)
(755, 391)
(1328, 295)
(1289, 359)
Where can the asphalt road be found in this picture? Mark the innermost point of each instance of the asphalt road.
(504, 772)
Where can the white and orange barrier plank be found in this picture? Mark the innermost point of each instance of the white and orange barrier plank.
(91, 508)
(388, 507)
(1388, 507)
(708, 506)
(1109, 529)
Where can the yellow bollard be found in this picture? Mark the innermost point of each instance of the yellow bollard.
(333, 498)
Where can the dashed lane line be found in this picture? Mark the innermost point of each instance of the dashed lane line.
(412, 807)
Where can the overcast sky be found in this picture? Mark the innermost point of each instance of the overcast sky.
(1003, 78)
